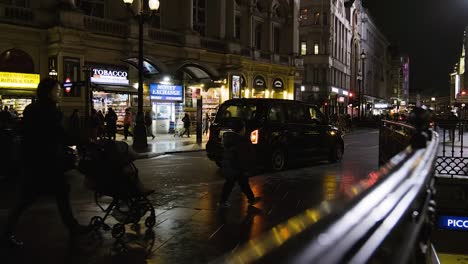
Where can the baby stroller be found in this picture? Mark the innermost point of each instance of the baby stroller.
(109, 171)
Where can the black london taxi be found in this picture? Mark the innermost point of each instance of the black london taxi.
(280, 130)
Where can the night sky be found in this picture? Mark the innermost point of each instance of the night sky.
(430, 32)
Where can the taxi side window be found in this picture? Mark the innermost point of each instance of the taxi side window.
(296, 113)
(315, 116)
(276, 113)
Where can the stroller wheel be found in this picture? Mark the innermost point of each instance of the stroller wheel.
(96, 222)
(150, 221)
(118, 231)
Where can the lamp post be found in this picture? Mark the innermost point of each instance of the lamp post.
(146, 10)
(363, 82)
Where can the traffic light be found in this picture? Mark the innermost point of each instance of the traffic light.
(352, 99)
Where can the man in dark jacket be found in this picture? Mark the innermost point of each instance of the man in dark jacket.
(237, 163)
(43, 158)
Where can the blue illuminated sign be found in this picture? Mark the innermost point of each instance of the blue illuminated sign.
(166, 92)
(453, 222)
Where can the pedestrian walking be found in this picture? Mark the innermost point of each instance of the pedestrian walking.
(237, 163)
(128, 122)
(186, 120)
(148, 124)
(111, 123)
(43, 157)
(93, 126)
(206, 124)
(100, 129)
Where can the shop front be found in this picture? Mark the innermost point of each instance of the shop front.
(259, 87)
(167, 107)
(278, 91)
(17, 90)
(110, 88)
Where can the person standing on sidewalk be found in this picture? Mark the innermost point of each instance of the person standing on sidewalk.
(206, 124)
(111, 123)
(128, 121)
(43, 157)
(186, 120)
(237, 163)
(148, 124)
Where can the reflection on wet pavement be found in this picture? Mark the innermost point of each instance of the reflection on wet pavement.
(189, 228)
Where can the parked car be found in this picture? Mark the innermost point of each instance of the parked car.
(280, 130)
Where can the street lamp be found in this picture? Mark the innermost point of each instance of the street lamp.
(149, 7)
(362, 88)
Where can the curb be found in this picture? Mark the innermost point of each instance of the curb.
(157, 154)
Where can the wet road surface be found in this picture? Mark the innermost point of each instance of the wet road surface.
(189, 227)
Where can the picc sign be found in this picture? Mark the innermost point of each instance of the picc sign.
(453, 222)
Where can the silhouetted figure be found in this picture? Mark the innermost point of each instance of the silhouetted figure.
(44, 158)
(148, 124)
(206, 124)
(186, 120)
(111, 123)
(100, 130)
(237, 163)
(93, 125)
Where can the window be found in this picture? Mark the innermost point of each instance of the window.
(276, 40)
(199, 16)
(92, 7)
(296, 113)
(303, 15)
(317, 18)
(242, 111)
(258, 36)
(20, 3)
(237, 31)
(303, 48)
(316, 48)
(315, 76)
(276, 114)
(316, 117)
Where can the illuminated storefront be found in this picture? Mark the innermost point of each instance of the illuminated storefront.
(18, 89)
(166, 102)
(110, 85)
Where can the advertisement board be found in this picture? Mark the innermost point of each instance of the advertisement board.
(235, 86)
(19, 80)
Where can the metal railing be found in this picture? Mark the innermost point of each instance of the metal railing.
(393, 138)
(385, 218)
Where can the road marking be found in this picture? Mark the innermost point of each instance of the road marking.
(269, 212)
(217, 230)
(284, 196)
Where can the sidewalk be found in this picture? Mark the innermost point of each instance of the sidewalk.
(167, 144)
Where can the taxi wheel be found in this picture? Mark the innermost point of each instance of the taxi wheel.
(278, 159)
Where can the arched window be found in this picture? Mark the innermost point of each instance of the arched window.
(16, 60)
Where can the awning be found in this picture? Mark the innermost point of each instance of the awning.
(123, 89)
(12, 93)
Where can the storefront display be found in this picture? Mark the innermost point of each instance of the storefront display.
(119, 102)
(18, 90)
(111, 89)
(18, 104)
(167, 107)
